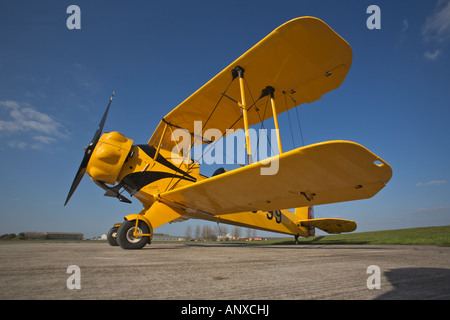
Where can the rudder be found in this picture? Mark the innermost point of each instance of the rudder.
(306, 213)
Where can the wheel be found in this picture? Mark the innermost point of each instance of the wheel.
(127, 240)
(112, 236)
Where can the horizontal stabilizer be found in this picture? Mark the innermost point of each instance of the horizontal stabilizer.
(330, 225)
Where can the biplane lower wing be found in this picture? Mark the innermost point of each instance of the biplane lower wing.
(321, 173)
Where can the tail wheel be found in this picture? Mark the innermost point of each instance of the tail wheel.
(112, 236)
(311, 229)
(126, 238)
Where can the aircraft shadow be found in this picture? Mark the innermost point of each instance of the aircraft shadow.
(418, 284)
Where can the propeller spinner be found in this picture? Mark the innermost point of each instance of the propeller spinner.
(88, 153)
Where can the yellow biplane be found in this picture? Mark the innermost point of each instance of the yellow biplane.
(298, 62)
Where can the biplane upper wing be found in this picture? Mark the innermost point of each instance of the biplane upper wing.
(327, 172)
(302, 60)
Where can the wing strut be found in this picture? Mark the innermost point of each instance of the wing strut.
(243, 105)
(269, 91)
(239, 71)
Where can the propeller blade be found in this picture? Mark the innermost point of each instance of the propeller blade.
(76, 181)
(87, 153)
(98, 133)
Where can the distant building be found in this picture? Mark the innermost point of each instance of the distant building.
(229, 237)
(226, 237)
(165, 237)
(63, 236)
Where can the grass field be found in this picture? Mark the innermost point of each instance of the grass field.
(416, 236)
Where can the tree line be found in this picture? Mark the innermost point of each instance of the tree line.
(24, 236)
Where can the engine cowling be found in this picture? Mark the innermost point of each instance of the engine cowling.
(108, 157)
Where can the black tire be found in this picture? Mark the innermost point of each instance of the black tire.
(112, 236)
(125, 237)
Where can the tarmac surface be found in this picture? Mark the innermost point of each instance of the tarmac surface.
(32, 270)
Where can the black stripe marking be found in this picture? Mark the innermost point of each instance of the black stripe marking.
(138, 180)
(150, 151)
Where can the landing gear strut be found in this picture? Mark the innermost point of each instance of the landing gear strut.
(296, 239)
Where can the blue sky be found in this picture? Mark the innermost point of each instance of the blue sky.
(55, 84)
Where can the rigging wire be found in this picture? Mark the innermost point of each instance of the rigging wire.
(215, 107)
(211, 144)
(263, 127)
(289, 117)
(298, 121)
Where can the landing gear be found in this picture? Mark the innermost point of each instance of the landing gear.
(296, 240)
(112, 236)
(127, 238)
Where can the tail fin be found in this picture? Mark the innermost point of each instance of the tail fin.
(306, 213)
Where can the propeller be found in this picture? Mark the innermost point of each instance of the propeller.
(88, 152)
